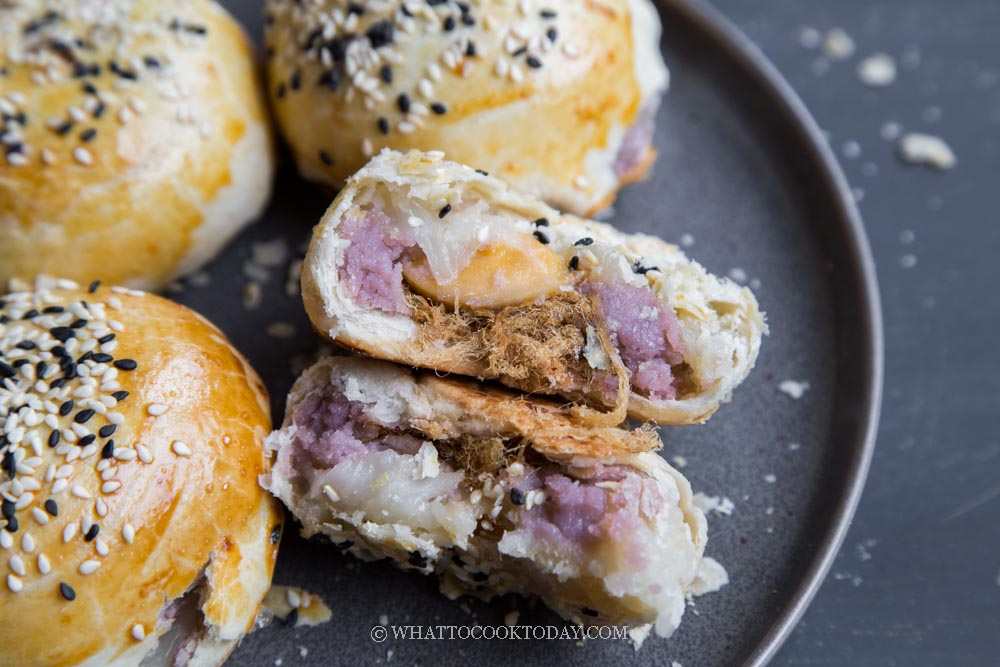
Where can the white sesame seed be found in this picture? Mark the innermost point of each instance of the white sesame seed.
(80, 492)
(101, 547)
(128, 533)
(110, 487)
(181, 449)
(27, 543)
(116, 418)
(16, 564)
(83, 156)
(39, 516)
(138, 632)
(330, 493)
(144, 454)
(124, 454)
(6, 541)
(44, 566)
(156, 409)
(14, 584)
(59, 486)
(89, 567)
(100, 507)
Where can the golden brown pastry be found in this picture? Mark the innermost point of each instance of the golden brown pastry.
(134, 138)
(556, 97)
(133, 528)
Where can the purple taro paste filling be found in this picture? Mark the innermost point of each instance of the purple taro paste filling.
(371, 270)
(329, 429)
(647, 335)
(580, 512)
(637, 140)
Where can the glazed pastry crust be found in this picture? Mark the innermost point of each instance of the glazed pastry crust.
(180, 158)
(720, 322)
(544, 101)
(197, 516)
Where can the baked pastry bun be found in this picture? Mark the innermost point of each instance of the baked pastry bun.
(135, 138)
(133, 528)
(495, 492)
(558, 98)
(430, 263)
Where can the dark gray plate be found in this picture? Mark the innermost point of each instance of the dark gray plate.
(744, 170)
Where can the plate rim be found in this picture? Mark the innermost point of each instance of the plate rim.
(752, 61)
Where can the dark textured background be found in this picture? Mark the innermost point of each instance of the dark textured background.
(930, 517)
(917, 581)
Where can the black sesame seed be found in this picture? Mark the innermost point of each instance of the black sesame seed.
(470, 49)
(151, 62)
(84, 416)
(78, 324)
(107, 430)
(547, 14)
(108, 450)
(92, 533)
(62, 334)
(542, 222)
(403, 102)
(6, 371)
(89, 88)
(483, 172)
(439, 108)
(520, 52)
(102, 357)
(589, 612)
(542, 238)
(7, 508)
(584, 241)
(94, 286)
(517, 496)
(52, 507)
(26, 345)
(380, 33)
(31, 314)
(106, 339)
(468, 20)
(126, 364)
(120, 395)
(552, 34)
(444, 211)
(295, 82)
(292, 618)
(57, 383)
(280, 92)
(383, 125)
(53, 310)
(533, 62)
(574, 263)
(355, 8)
(12, 525)
(325, 158)
(386, 73)
(54, 438)
(449, 24)
(66, 407)
(275, 534)
(88, 134)
(86, 356)
(67, 591)
(86, 440)
(330, 79)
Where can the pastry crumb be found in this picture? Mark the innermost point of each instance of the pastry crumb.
(926, 149)
(877, 70)
(793, 388)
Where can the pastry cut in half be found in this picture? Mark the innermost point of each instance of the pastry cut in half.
(430, 263)
(493, 491)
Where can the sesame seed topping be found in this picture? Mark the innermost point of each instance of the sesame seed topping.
(89, 567)
(14, 584)
(44, 566)
(444, 211)
(67, 591)
(138, 632)
(83, 156)
(181, 449)
(156, 409)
